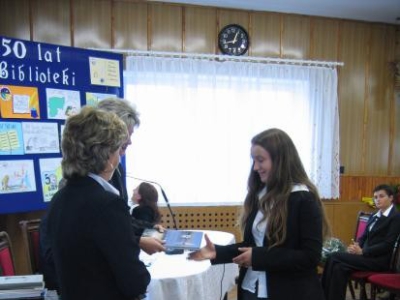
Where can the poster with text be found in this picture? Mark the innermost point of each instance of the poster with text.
(92, 99)
(50, 174)
(40, 137)
(41, 85)
(19, 102)
(62, 103)
(104, 72)
(17, 176)
(11, 142)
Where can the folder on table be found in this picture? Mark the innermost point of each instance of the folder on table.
(177, 239)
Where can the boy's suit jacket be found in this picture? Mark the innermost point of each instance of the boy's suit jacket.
(380, 239)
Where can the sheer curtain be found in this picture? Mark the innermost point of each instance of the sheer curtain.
(198, 117)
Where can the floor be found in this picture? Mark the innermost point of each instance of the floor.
(232, 294)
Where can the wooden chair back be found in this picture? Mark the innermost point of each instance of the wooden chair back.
(30, 235)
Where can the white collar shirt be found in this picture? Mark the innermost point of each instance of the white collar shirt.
(258, 230)
(104, 183)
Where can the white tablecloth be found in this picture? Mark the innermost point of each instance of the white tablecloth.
(173, 277)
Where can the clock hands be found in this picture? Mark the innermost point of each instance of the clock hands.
(236, 35)
(234, 39)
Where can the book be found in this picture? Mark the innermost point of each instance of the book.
(21, 282)
(177, 239)
(22, 287)
(22, 294)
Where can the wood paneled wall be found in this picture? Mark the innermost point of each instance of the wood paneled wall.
(369, 106)
(369, 111)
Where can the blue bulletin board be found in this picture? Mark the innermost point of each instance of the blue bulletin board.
(40, 86)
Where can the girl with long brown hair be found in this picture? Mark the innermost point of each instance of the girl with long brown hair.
(283, 224)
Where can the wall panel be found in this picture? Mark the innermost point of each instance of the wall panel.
(380, 102)
(130, 25)
(296, 36)
(15, 22)
(353, 95)
(395, 158)
(166, 34)
(324, 39)
(200, 35)
(51, 21)
(265, 40)
(92, 30)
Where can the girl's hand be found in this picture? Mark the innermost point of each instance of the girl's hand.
(244, 259)
(207, 252)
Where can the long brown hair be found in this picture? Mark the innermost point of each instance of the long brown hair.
(287, 170)
(149, 197)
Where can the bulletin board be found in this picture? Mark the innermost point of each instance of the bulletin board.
(40, 86)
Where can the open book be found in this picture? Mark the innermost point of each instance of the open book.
(177, 239)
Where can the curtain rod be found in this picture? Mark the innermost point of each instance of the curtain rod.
(128, 52)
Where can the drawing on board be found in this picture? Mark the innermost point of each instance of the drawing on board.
(92, 99)
(17, 176)
(62, 103)
(19, 102)
(50, 174)
(40, 137)
(11, 142)
(104, 72)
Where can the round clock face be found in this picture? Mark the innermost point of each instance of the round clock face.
(233, 40)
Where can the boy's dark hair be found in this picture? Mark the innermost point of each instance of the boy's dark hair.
(385, 187)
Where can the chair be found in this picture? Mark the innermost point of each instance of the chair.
(362, 221)
(360, 277)
(30, 235)
(6, 255)
(388, 281)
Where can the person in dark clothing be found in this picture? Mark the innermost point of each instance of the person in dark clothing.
(128, 114)
(146, 213)
(283, 225)
(95, 251)
(373, 250)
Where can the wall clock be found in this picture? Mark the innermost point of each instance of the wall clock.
(233, 39)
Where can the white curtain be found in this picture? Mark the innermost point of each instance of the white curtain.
(198, 117)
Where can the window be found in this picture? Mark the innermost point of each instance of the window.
(198, 117)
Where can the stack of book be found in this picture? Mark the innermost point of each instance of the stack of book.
(22, 287)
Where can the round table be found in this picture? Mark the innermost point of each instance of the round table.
(176, 277)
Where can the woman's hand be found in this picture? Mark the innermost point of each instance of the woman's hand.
(159, 228)
(244, 259)
(151, 245)
(207, 252)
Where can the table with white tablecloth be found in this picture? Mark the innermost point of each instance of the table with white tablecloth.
(175, 277)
